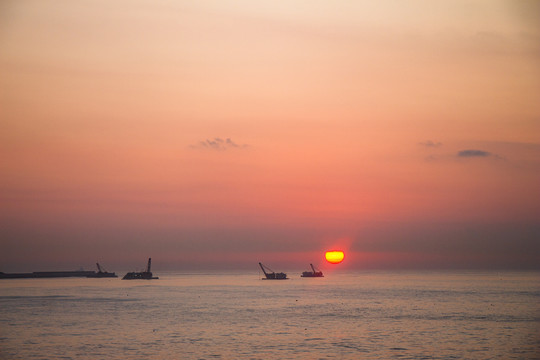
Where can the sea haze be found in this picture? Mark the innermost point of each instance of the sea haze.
(368, 315)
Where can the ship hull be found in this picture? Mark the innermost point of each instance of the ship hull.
(103, 275)
(139, 276)
(310, 274)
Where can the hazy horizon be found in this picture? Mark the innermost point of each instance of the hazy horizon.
(215, 134)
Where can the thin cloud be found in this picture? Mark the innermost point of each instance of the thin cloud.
(464, 154)
(430, 143)
(473, 153)
(218, 144)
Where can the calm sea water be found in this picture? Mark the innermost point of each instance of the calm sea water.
(365, 315)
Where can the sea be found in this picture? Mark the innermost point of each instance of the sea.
(236, 315)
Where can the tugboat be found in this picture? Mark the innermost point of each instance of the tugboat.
(271, 275)
(145, 275)
(312, 274)
(101, 273)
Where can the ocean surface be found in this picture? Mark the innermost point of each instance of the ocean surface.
(362, 315)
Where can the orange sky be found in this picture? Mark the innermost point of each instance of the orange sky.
(217, 133)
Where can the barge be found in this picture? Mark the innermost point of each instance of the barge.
(271, 274)
(143, 275)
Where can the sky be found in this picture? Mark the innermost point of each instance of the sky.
(217, 134)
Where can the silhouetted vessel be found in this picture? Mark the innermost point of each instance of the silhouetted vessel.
(312, 273)
(145, 275)
(271, 275)
(101, 273)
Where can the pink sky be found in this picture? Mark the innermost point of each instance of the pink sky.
(220, 134)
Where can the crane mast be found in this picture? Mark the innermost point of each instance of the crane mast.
(264, 271)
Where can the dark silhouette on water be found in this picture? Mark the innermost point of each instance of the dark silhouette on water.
(271, 275)
(101, 273)
(58, 274)
(145, 275)
(312, 274)
(46, 274)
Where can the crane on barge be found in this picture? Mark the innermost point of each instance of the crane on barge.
(312, 274)
(101, 273)
(271, 274)
(146, 275)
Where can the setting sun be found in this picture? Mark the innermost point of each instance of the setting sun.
(335, 257)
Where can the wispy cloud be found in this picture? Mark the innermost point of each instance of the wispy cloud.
(218, 144)
(464, 154)
(474, 153)
(430, 143)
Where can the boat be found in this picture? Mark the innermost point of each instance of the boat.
(101, 274)
(313, 273)
(144, 275)
(271, 274)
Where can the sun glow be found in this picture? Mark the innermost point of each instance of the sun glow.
(335, 256)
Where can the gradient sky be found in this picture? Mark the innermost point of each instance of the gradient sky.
(216, 134)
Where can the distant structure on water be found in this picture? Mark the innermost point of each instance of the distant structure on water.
(312, 273)
(145, 275)
(46, 274)
(271, 275)
(58, 274)
(101, 273)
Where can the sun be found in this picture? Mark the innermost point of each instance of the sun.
(335, 256)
